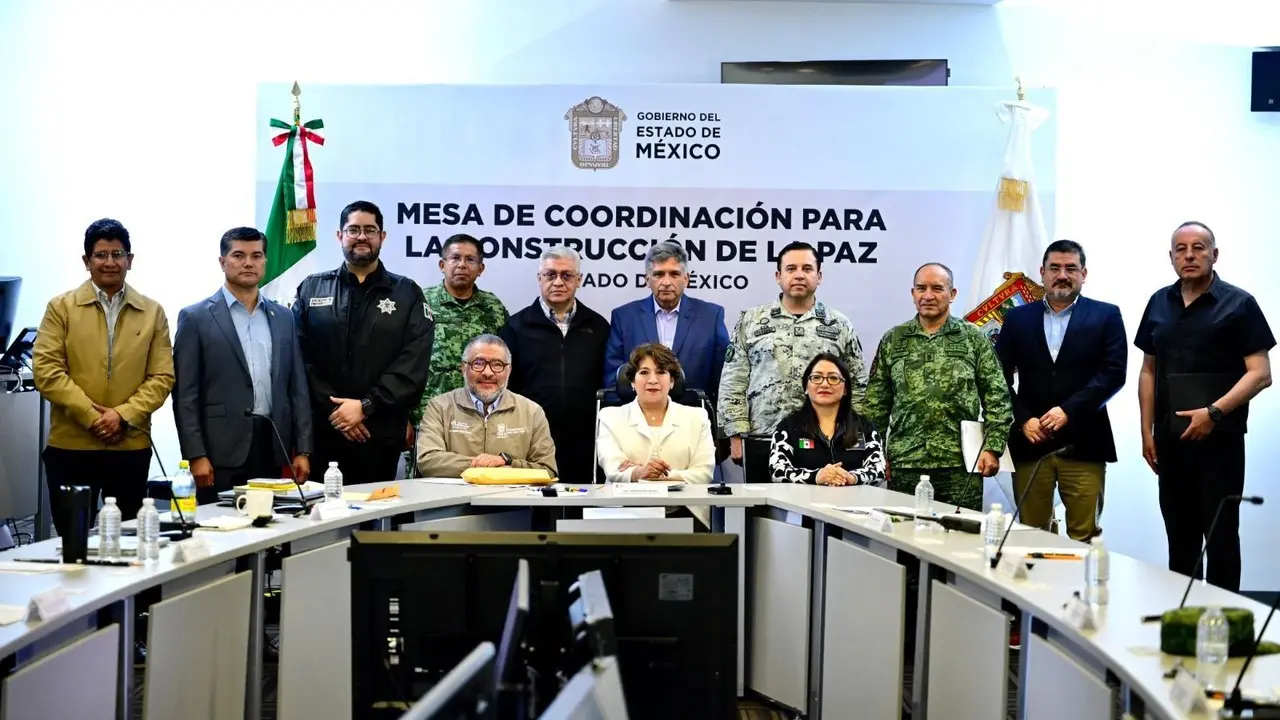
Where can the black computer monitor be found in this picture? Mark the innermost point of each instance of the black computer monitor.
(9, 287)
(508, 668)
(421, 600)
(20, 351)
(466, 693)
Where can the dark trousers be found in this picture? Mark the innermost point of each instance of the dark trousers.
(121, 474)
(1194, 477)
(260, 462)
(372, 461)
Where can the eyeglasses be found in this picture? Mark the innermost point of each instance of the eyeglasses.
(102, 255)
(469, 261)
(479, 364)
(354, 231)
(550, 276)
(826, 379)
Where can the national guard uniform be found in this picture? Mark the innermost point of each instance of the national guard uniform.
(921, 386)
(457, 322)
(769, 351)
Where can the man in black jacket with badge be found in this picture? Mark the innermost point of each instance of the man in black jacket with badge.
(366, 336)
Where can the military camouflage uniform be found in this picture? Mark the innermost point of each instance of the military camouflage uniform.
(456, 324)
(768, 353)
(922, 386)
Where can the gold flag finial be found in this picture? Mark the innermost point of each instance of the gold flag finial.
(297, 105)
(1022, 91)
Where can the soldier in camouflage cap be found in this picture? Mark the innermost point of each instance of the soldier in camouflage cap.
(928, 375)
(462, 311)
(772, 345)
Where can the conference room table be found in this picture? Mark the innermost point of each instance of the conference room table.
(823, 600)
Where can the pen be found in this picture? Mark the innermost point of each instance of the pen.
(1053, 556)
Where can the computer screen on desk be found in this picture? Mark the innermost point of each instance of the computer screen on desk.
(9, 287)
(421, 600)
(467, 692)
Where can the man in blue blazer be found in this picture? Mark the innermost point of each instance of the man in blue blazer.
(1069, 353)
(237, 361)
(693, 329)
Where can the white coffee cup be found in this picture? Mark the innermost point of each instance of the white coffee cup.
(256, 503)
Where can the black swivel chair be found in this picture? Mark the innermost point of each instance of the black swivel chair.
(622, 393)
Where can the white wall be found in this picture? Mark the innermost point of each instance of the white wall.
(144, 112)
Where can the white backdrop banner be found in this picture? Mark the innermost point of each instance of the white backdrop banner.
(880, 180)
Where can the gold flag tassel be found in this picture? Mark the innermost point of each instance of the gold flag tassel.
(301, 226)
(1013, 195)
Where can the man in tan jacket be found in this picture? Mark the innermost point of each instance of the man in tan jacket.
(483, 424)
(103, 360)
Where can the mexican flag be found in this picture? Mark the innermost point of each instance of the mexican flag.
(291, 227)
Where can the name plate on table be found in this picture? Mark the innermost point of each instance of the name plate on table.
(330, 510)
(1187, 693)
(879, 520)
(48, 604)
(1080, 614)
(1012, 566)
(190, 550)
(639, 489)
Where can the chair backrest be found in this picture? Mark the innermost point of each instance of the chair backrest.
(626, 393)
(755, 459)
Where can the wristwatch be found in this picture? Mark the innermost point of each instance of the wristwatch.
(1214, 413)
(505, 458)
(366, 407)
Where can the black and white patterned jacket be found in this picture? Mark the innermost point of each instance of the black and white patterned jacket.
(796, 456)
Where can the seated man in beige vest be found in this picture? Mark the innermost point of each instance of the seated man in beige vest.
(483, 424)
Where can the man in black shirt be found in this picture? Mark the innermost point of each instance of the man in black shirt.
(366, 338)
(557, 354)
(1205, 345)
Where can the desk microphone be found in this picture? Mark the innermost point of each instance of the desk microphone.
(1017, 509)
(184, 529)
(249, 413)
(1235, 706)
(1208, 538)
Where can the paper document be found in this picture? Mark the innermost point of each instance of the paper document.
(12, 613)
(971, 444)
(442, 481)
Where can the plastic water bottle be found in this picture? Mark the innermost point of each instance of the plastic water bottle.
(1097, 570)
(994, 529)
(333, 483)
(1212, 639)
(148, 531)
(109, 531)
(924, 503)
(184, 493)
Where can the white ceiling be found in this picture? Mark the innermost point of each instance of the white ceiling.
(891, 2)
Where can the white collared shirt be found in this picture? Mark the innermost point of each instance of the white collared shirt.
(562, 323)
(667, 320)
(1055, 326)
(112, 307)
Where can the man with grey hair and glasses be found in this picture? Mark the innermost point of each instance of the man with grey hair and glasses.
(694, 329)
(483, 423)
(557, 350)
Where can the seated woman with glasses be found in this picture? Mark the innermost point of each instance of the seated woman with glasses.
(654, 437)
(826, 442)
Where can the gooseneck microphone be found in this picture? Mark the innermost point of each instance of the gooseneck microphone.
(1236, 705)
(248, 412)
(1026, 490)
(1208, 538)
(184, 528)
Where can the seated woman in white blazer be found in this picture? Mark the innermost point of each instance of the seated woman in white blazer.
(654, 437)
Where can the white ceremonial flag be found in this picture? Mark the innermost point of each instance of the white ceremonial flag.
(1008, 262)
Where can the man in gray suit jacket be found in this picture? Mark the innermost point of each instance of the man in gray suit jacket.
(237, 360)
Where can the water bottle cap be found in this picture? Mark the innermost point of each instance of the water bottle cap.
(183, 465)
(333, 463)
(997, 507)
(110, 501)
(148, 502)
(1097, 540)
(924, 478)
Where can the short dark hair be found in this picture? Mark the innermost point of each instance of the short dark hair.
(461, 239)
(1063, 246)
(661, 356)
(849, 424)
(798, 245)
(105, 229)
(241, 234)
(951, 277)
(1213, 240)
(361, 206)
